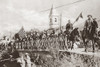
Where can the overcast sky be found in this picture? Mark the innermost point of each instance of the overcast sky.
(17, 13)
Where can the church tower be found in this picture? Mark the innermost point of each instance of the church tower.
(54, 18)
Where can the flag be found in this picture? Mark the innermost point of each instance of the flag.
(21, 32)
(80, 16)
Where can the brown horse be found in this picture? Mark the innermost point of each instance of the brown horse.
(72, 37)
(89, 35)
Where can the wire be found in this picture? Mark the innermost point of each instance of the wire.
(64, 5)
(56, 7)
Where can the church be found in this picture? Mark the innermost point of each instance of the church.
(54, 20)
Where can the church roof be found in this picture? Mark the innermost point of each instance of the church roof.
(53, 11)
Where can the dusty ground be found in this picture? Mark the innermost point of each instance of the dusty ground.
(65, 62)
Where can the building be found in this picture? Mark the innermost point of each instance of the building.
(54, 18)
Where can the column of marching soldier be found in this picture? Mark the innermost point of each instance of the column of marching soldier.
(42, 44)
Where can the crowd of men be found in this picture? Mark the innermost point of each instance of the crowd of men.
(44, 43)
(47, 41)
(36, 42)
(44, 40)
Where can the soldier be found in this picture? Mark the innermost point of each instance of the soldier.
(69, 25)
(95, 26)
(95, 22)
(88, 23)
(69, 28)
(28, 60)
(21, 60)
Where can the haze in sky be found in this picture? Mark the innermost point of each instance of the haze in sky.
(17, 13)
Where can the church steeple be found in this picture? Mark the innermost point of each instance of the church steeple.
(50, 17)
(54, 18)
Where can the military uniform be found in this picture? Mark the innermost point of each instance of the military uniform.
(69, 26)
(88, 24)
(95, 26)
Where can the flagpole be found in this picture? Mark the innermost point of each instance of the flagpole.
(78, 17)
(74, 22)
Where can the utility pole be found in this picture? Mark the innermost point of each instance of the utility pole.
(60, 26)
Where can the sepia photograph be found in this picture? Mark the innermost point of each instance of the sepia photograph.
(49, 33)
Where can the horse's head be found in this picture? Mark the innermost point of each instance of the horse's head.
(74, 35)
(68, 31)
(76, 32)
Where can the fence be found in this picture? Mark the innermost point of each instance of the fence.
(43, 44)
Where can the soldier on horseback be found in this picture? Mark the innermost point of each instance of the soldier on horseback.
(72, 34)
(90, 31)
(69, 27)
(91, 26)
(88, 24)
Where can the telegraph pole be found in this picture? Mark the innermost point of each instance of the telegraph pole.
(60, 26)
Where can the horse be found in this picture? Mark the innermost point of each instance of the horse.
(73, 36)
(67, 32)
(89, 35)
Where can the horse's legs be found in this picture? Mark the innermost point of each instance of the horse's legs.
(85, 46)
(93, 45)
(68, 45)
(72, 45)
(86, 41)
